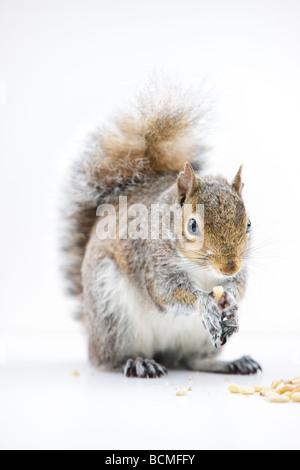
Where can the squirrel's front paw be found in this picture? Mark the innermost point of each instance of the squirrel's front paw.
(211, 319)
(229, 321)
(220, 318)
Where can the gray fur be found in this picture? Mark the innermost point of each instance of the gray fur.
(145, 301)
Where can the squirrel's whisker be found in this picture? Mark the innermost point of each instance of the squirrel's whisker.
(133, 291)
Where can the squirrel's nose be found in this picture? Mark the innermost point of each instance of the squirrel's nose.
(230, 268)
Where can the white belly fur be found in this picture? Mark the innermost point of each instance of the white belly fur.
(151, 331)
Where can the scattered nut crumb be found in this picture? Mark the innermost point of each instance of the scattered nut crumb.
(75, 373)
(296, 397)
(282, 388)
(191, 378)
(258, 388)
(281, 391)
(275, 383)
(181, 392)
(234, 388)
(265, 391)
(247, 390)
(296, 380)
(274, 397)
(190, 389)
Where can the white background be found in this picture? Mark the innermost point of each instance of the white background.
(67, 64)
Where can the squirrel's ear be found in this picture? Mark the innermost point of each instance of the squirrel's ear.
(187, 183)
(237, 182)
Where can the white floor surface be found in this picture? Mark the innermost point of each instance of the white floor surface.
(43, 406)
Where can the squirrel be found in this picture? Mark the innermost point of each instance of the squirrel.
(148, 302)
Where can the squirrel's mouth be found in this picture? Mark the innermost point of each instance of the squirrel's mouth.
(229, 268)
(229, 274)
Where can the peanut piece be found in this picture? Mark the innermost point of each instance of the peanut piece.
(281, 391)
(282, 388)
(258, 388)
(234, 388)
(218, 292)
(276, 383)
(296, 397)
(274, 397)
(180, 392)
(265, 391)
(247, 390)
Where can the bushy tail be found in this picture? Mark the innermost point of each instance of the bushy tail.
(157, 137)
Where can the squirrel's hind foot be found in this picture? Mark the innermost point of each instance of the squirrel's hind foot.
(144, 368)
(244, 366)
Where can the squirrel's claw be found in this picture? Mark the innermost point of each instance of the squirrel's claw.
(220, 318)
(229, 322)
(244, 366)
(211, 319)
(145, 368)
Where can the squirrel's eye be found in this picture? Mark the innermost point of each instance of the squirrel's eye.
(192, 227)
(248, 226)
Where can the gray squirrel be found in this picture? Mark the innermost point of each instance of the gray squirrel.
(148, 303)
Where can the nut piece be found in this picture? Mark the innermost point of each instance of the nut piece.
(234, 388)
(180, 392)
(266, 390)
(75, 373)
(218, 292)
(282, 388)
(276, 383)
(247, 390)
(274, 397)
(281, 391)
(258, 388)
(296, 397)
